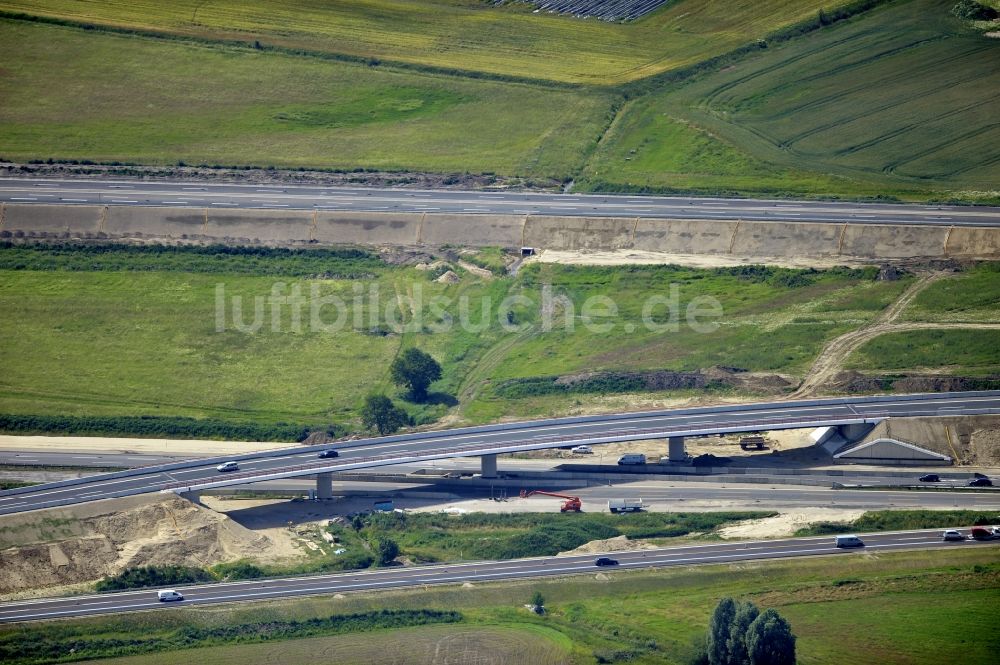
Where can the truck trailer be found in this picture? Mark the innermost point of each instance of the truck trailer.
(624, 505)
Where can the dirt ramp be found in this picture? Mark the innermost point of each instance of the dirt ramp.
(84, 543)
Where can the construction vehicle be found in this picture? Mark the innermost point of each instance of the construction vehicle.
(572, 503)
(752, 443)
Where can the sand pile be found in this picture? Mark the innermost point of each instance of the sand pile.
(75, 544)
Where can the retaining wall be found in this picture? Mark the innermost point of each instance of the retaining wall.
(741, 239)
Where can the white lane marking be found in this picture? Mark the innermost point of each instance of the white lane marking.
(509, 571)
(122, 201)
(224, 204)
(23, 198)
(74, 200)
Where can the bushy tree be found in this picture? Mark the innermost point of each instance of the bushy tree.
(746, 613)
(718, 632)
(387, 551)
(416, 370)
(769, 640)
(538, 600)
(970, 10)
(381, 414)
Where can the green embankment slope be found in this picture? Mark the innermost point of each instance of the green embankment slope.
(898, 100)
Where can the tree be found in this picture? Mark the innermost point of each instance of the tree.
(746, 613)
(381, 414)
(970, 10)
(387, 551)
(416, 370)
(770, 641)
(718, 632)
(538, 600)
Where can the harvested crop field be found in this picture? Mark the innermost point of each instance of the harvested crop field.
(883, 104)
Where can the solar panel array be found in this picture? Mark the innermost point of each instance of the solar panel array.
(605, 10)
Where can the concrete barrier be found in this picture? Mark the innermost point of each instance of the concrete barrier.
(786, 239)
(52, 219)
(473, 230)
(679, 236)
(748, 240)
(266, 226)
(142, 222)
(579, 232)
(368, 228)
(885, 241)
(973, 243)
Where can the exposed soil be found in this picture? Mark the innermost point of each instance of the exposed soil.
(76, 544)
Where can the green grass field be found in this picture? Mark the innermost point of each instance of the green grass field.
(969, 297)
(890, 103)
(895, 102)
(906, 607)
(466, 35)
(73, 94)
(962, 352)
(145, 342)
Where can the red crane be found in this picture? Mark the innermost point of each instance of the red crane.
(572, 503)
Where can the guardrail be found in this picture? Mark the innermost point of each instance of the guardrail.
(850, 402)
(481, 449)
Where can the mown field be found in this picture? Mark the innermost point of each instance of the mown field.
(73, 94)
(888, 103)
(465, 35)
(903, 607)
(113, 336)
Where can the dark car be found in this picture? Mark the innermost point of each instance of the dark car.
(979, 475)
(930, 478)
(981, 482)
(606, 561)
(982, 533)
(329, 453)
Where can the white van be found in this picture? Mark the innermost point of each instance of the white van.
(849, 541)
(631, 459)
(167, 595)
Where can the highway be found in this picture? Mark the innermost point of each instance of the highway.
(183, 194)
(483, 571)
(299, 461)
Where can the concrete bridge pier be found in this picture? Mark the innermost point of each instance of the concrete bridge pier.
(324, 485)
(675, 449)
(193, 496)
(489, 466)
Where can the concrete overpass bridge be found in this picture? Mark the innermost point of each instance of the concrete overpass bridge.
(190, 477)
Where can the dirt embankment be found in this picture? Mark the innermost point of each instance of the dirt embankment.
(76, 544)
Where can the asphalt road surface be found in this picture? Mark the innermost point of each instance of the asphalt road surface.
(485, 571)
(291, 197)
(471, 442)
